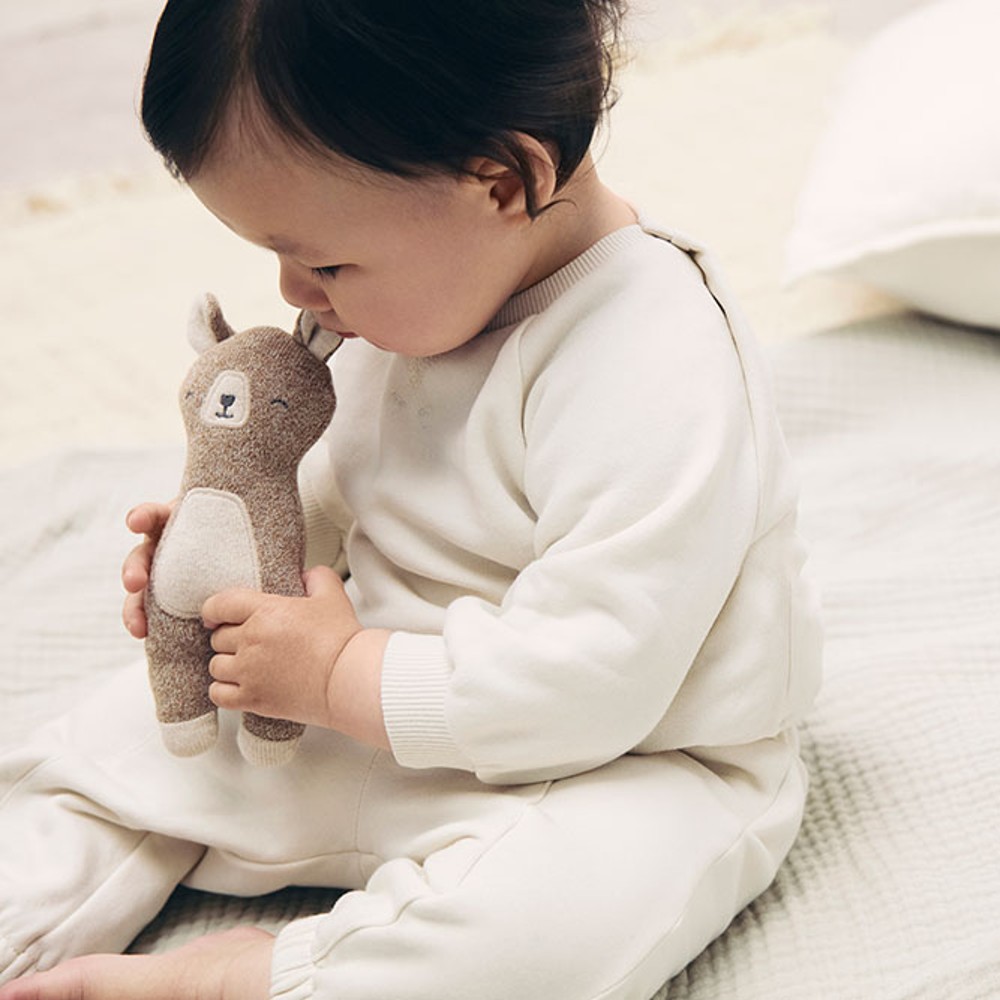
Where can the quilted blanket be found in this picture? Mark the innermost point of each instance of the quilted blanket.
(893, 889)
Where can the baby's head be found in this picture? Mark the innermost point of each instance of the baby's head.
(397, 155)
(403, 86)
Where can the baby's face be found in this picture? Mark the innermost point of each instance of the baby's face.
(414, 266)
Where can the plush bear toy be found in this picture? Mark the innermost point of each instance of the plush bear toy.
(253, 404)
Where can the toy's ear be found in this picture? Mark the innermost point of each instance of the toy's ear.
(207, 326)
(310, 334)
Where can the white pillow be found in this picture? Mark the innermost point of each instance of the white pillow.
(904, 188)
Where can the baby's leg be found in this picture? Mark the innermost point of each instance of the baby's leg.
(598, 886)
(99, 823)
(75, 877)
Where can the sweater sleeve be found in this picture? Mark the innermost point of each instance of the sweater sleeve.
(641, 472)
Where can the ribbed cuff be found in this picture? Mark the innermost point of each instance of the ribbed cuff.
(415, 676)
(292, 967)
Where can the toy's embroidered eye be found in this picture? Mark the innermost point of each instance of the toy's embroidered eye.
(280, 402)
(330, 271)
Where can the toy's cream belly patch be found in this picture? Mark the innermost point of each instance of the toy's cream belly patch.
(208, 547)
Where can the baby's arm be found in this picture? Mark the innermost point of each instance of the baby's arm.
(232, 965)
(638, 469)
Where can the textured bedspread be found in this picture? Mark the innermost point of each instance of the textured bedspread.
(893, 890)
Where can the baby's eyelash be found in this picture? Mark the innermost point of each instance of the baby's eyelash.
(330, 271)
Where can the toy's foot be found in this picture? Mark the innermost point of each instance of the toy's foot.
(191, 737)
(266, 753)
(268, 742)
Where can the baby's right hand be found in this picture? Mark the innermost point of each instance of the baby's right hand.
(148, 519)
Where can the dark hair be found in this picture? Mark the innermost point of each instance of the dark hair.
(403, 86)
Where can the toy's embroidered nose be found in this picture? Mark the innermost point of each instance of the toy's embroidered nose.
(227, 403)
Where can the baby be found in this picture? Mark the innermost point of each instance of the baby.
(556, 639)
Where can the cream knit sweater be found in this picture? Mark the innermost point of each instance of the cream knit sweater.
(580, 525)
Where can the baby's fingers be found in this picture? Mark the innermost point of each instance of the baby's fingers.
(149, 519)
(134, 615)
(135, 576)
(135, 569)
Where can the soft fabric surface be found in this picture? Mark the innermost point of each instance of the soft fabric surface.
(893, 890)
(904, 187)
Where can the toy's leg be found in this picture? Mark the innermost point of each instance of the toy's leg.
(178, 652)
(268, 742)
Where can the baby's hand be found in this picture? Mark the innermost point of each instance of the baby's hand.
(147, 519)
(306, 659)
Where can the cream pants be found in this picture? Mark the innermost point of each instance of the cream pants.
(600, 885)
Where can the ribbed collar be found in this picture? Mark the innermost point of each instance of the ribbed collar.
(541, 295)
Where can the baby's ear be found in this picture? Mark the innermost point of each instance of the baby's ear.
(207, 326)
(310, 334)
